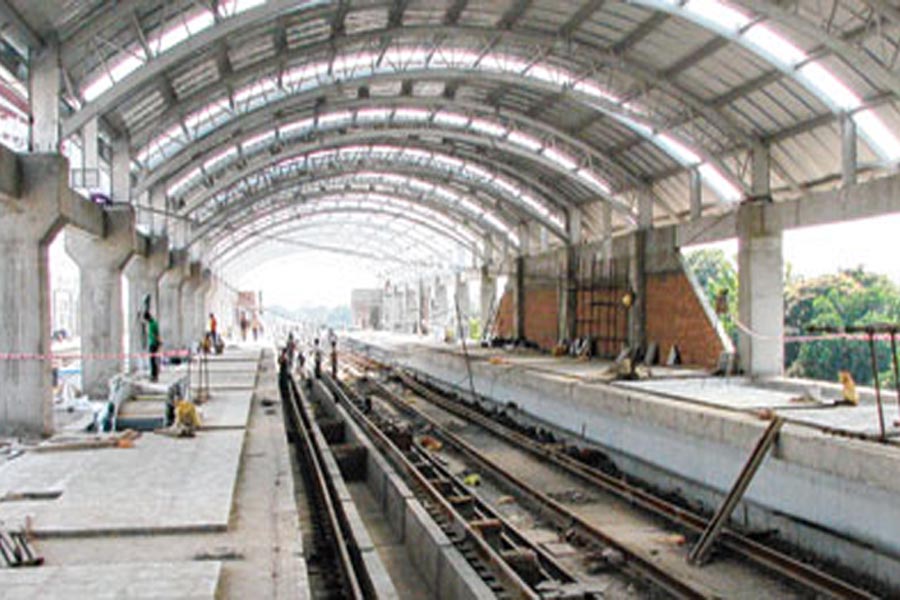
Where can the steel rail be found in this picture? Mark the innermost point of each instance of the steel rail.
(352, 584)
(634, 564)
(765, 556)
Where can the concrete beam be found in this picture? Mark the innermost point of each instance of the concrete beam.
(873, 198)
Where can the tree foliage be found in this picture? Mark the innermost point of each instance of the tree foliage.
(717, 275)
(849, 297)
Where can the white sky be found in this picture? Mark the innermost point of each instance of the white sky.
(309, 279)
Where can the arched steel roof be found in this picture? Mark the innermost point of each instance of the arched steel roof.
(562, 105)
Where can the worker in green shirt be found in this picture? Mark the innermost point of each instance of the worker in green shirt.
(153, 344)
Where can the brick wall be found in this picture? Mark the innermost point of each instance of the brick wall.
(505, 320)
(675, 316)
(541, 316)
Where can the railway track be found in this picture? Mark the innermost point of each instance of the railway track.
(334, 575)
(806, 579)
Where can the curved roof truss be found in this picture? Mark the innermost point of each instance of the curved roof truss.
(443, 201)
(166, 157)
(521, 194)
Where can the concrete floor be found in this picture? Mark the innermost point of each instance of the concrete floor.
(679, 383)
(218, 506)
(742, 394)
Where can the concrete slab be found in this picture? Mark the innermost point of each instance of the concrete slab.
(742, 394)
(160, 485)
(226, 408)
(175, 580)
(734, 392)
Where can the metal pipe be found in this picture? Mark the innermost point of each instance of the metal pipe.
(871, 334)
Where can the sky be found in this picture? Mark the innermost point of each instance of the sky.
(305, 279)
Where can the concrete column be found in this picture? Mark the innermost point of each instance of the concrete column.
(519, 298)
(568, 297)
(142, 273)
(101, 262)
(848, 150)
(760, 293)
(201, 305)
(760, 186)
(637, 316)
(44, 84)
(460, 306)
(607, 234)
(645, 208)
(121, 170)
(27, 226)
(90, 154)
(169, 289)
(189, 288)
(696, 185)
(157, 199)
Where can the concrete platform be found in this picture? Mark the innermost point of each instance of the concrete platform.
(161, 485)
(219, 507)
(744, 395)
(181, 581)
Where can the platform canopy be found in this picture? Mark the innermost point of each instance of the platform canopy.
(411, 129)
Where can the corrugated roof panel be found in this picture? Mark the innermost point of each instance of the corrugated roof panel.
(359, 21)
(186, 81)
(307, 31)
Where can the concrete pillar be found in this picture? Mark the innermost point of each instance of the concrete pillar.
(568, 297)
(760, 186)
(157, 200)
(461, 308)
(488, 295)
(27, 226)
(169, 289)
(143, 273)
(121, 170)
(90, 154)
(848, 150)
(645, 208)
(696, 186)
(45, 77)
(637, 316)
(101, 262)
(760, 293)
(607, 235)
(519, 298)
(201, 306)
(190, 286)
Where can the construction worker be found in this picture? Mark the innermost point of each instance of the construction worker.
(317, 357)
(334, 357)
(153, 344)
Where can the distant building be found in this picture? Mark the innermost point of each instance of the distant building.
(366, 306)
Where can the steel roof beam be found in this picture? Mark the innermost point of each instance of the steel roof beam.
(475, 224)
(288, 216)
(597, 57)
(523, 211)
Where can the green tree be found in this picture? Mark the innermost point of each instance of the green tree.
(717, 275)
(849, 297)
